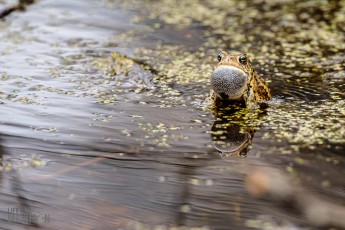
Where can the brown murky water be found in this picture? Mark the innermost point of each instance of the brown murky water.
(103, 124)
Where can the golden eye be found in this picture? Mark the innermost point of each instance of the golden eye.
(242, 59)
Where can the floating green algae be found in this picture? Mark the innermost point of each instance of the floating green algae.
(161, 134)
(21, 163)
(113, 65)
(297, 46)
(295, 121)
(124, 74)
(174, 64)
(308, 124)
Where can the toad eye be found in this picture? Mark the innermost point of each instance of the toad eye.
(242, 59)
(219, 57)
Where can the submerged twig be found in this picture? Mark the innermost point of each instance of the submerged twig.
(68, 169)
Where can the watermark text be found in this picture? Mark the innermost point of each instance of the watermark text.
(25, 216)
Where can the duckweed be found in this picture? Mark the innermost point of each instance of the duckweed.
(289, 43)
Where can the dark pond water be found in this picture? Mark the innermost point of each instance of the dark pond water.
(104, 125)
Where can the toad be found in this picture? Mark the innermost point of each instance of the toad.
(235, 81)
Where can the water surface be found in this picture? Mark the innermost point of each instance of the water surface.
(103, 124)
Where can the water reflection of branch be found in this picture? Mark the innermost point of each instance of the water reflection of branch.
(21, 5)
(1, 159)
(23, 201)
(187, 173)
(16, 186)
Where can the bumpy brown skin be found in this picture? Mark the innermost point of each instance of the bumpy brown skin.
(256, 92)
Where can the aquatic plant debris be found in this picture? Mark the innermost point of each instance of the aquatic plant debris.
(161, 134)
(21, 162)
(307, 123)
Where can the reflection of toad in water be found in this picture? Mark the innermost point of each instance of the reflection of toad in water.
(233, 130)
